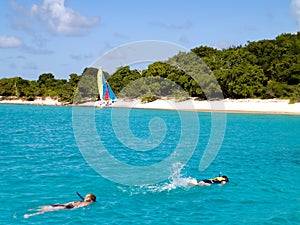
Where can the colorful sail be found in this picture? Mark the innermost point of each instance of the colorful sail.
(111, 93)
(100, 82)
(105, 91)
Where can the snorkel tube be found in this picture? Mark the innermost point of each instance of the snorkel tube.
(82, 198)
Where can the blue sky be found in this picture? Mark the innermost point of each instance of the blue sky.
(65, 36)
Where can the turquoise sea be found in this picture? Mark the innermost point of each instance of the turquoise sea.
(41, 164)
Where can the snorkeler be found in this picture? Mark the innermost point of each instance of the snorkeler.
(87, 200)
(220, 180)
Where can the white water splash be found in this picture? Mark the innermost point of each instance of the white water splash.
(176, 180)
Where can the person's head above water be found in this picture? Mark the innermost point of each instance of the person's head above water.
(89, 198)
(225, 178)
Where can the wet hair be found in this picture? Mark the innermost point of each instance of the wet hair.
(90, 198)
(226, 178)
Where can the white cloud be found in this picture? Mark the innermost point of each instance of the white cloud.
(295, 6)
(61, 19)
(9, 42)
(223, 44)
(21, 24)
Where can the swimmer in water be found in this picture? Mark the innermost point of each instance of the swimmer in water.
(220, 180)
(87, 200)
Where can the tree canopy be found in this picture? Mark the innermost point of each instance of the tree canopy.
(260, 69)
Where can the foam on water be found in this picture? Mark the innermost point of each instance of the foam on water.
(176, 180)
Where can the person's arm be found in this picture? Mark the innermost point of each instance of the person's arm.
(78, 204)
(203, 183)
(222, 183)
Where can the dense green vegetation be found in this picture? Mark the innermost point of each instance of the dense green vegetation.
(261, 69)
(45, 86)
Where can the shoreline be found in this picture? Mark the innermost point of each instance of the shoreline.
(257, 106)
(48, 101)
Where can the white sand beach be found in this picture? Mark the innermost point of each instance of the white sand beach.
(226, 105)
(37, 101)
(276, 106)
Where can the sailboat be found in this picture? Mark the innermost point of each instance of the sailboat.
(106, 94)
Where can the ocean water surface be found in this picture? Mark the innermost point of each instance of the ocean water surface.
(41, 164)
